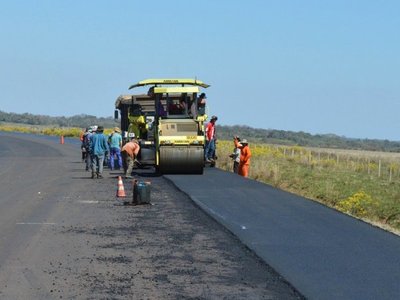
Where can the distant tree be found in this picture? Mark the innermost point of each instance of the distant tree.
(301, 138)
(81, 121)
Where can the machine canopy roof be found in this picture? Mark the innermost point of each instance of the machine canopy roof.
(173, 81)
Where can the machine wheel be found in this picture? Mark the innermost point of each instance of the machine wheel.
(181, 160)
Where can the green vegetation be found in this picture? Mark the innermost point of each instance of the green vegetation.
(41, 124)
(56, 131)
(290, 138)
(363, 184)
(80, 121)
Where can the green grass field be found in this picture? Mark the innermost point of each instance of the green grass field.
(363, 184)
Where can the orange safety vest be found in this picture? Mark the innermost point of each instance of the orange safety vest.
(245, 155)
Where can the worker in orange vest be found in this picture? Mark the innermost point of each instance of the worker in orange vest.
(245, 155)
(129, 153)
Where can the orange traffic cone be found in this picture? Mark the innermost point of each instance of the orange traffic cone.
(120, 190)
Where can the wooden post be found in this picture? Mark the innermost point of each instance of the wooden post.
(390, 173)
(379, 168)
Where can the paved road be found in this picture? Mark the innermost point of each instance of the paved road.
(64, 235)
(323, 253)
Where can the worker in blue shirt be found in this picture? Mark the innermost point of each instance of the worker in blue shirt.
(115, 142)
(98, 150)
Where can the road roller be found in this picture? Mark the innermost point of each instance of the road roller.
(168, 122)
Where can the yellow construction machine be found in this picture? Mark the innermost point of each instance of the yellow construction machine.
(168, 122)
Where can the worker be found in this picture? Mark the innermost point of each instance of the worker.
(130, 152)
(201, 106)
(98, 151)
(177, 108)
(137, 121)
(183, 106)
(86, 145)
(115, 142)
(235, 156)
(209, 151)
(245, 155)
(82, 134)
(81, 138)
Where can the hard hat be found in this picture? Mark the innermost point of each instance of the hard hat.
(244, 141)
(214, 118)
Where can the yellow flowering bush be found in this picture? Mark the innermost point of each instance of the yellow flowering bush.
(8, 128)
(55, 131)
(359, 204)
(67, 132)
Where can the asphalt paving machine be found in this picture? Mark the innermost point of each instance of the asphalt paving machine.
(168, 122)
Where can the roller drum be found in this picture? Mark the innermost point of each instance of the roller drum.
(181, 160)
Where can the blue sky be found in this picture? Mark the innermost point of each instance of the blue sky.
(313, 66)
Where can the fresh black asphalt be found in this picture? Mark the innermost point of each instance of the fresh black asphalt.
(323, 253)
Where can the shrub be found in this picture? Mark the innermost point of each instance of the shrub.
(359, 204)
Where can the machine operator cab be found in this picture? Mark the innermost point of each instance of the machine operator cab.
(176, 98)
(177, 136)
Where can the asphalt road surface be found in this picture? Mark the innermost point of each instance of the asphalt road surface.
(66, 236)
(323, 253)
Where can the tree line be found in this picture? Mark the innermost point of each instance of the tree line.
(254, 135)
(291, 138)
(81, 120)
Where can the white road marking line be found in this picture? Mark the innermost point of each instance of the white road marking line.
(88, 201)
(35, 223)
